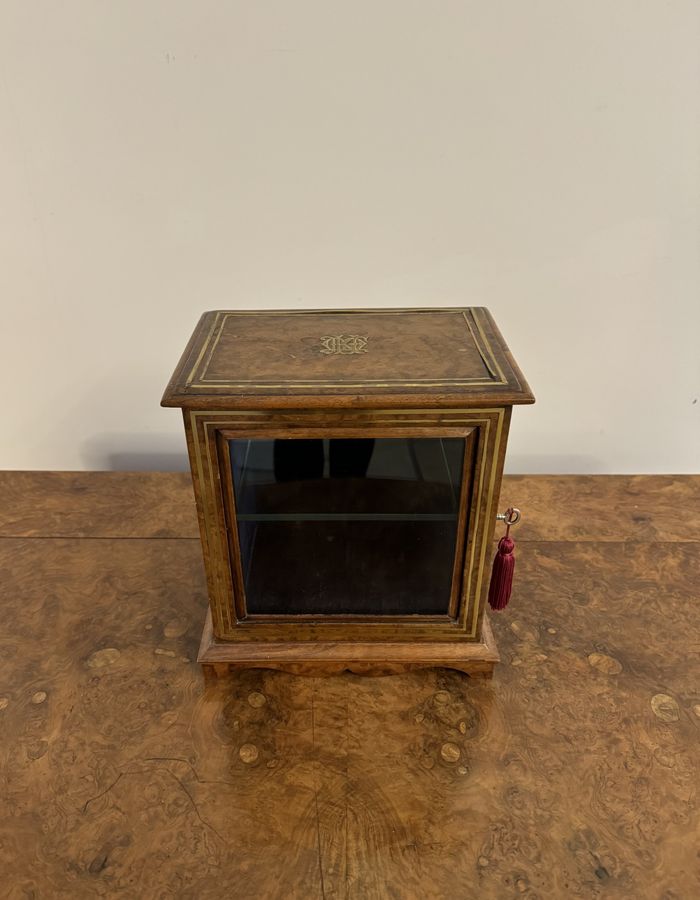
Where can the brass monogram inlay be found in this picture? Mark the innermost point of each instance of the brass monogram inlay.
(344, 343)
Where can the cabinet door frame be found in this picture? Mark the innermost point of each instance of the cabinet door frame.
(208, 431)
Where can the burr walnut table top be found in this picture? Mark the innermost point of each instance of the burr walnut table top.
(572, 774)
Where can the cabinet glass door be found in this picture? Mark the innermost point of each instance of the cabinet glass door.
(348, 526)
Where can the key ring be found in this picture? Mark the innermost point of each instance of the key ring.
(511, 516)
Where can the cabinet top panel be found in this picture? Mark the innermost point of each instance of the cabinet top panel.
(362, 358)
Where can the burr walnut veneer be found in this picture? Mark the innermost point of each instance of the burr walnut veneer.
(571, 775)
(346, 467)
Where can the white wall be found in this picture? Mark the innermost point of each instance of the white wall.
(162, 157)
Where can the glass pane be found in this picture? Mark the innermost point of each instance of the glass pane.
(347, 525)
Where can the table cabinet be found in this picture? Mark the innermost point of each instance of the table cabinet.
(347, 469)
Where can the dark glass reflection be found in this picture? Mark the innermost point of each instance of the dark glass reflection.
(363, 526)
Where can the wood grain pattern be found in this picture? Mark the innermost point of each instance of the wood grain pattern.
(97, 504)
(253, 359)
(603, 507)
(161, 504)
(360, 658)
(571, 774)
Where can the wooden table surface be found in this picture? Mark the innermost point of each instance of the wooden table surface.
(574, 773)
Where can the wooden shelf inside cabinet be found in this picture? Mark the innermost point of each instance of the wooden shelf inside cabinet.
(346, 467)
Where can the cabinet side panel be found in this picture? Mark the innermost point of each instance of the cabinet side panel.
(221, 621)
(482, 589)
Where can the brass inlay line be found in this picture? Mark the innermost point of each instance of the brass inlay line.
(467, 582)
(215, 342)
(209, 515)
(361, 311)
(488, 346)
(398, 416)
(190, 377)
(224, 571)
(227, 385)
(266, 413)
(484, 537)
(486, 359)
(218, 612)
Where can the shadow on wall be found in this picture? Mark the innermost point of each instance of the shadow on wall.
(135, 453)
(546, 464)
(166, 453)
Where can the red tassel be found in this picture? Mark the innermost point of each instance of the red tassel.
(502, 574)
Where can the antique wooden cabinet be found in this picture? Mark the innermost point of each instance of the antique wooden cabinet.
(347, 468)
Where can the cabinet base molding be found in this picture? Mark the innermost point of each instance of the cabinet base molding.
(219, 657)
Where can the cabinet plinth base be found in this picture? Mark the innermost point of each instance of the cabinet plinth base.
(331, 658)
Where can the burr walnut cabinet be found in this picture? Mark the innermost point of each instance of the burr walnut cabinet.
(347, 468)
